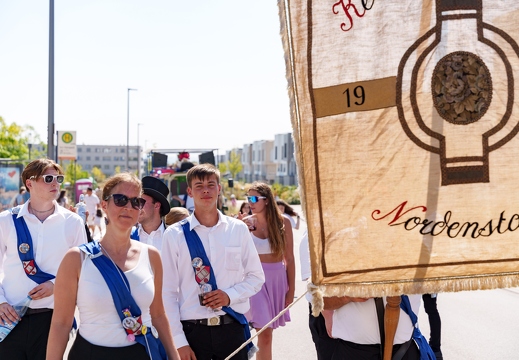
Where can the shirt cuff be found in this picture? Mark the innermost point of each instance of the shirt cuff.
(180, 340)
(232, 294)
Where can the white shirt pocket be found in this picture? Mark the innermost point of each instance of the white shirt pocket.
(232, 258)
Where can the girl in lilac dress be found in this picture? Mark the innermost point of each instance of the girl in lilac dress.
(272, 235)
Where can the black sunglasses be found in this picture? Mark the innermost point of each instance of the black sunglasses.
(254, 199)
(121, 200)
(50, 178)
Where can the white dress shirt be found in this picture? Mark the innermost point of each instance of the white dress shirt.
(51, 239)
(154, 238)
(357, 322)
(234, 260)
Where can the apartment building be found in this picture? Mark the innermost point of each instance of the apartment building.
(109, 157)
(246, 161)
(284, 159)
(264, 169)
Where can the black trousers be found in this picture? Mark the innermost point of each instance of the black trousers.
(215, 342)
(84, 350)
(325, 346)
(336, 349)
(28, 340)
(435, 323)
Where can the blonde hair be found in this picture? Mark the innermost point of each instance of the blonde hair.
(176, 214)
(275, 222)
(114, 180)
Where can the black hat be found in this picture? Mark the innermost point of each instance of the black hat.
(158, 190)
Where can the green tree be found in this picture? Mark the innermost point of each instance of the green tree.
(234, 164)
(72, 173)
(117, 169)
(222, 167)
(15, 140)
(98, 174)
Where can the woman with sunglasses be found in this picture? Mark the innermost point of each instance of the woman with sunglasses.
(272, 235)
(102, 334)
(50, 230)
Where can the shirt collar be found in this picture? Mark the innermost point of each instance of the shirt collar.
(58, 209)
(193, 221)
(160, 229)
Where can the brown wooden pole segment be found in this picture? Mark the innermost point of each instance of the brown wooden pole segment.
(391, 316)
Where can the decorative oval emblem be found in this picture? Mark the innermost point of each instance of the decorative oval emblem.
(461, 88)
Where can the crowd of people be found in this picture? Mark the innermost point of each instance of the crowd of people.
(164, 282)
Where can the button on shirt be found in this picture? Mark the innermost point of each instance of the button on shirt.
(154, 238)
(51, 239)
(234, 260)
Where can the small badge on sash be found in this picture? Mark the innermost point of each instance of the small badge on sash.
(203, 274)
(132, 325)
(29, 267)
(197, 263)
(24, 248)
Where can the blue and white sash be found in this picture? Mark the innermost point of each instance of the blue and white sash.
(127, 309)
(426, 352)
(25, 250)
(196, 250)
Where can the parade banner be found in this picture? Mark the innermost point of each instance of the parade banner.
(405, 117)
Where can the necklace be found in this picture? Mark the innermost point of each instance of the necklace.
(44, 211)
(113, 262)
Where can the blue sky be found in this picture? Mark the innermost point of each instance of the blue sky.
(209, 73)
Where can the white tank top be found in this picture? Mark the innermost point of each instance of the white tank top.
(262, 245)
(99, 322)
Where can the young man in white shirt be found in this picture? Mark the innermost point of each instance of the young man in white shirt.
(354, 325)
(151, 227)
(234, 261)
(53, 230)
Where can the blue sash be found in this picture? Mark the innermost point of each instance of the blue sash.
(123, 298)
(134, 235)
(25, 250)
(426, 352)
(196, 249)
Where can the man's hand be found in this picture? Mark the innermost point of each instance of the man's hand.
(186, 353)
(7, 314)
(42, 291)
(216, 299)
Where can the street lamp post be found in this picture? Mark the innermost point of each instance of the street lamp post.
(128, 131)
(139, 158)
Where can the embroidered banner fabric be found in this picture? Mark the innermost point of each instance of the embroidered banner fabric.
(405, 117)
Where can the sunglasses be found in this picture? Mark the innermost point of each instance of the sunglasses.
(47, 179)
(255, 199)
(121, 200)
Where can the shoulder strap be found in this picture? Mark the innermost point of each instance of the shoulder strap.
(25, 250)
(196, 249)
(426, 352)
(125, 305)
(379, 304)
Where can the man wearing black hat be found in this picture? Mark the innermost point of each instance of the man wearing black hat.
(151, 227)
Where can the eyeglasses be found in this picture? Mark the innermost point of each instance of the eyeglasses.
(121, 200)
(254, 199)
(50, 178)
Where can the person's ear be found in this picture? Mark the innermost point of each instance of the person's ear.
(189, 192)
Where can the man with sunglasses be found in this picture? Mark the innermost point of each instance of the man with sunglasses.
(151, 227)
(34, 237)
(210, 327)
